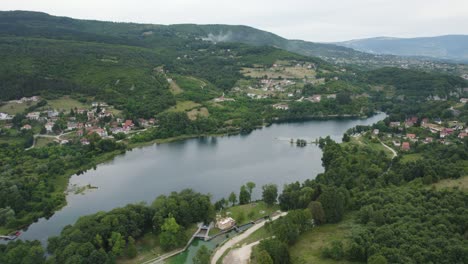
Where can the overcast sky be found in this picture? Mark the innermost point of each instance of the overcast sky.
(313, 20)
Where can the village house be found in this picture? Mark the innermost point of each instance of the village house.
(225, 223)
(446, 132)
(411, 121)
(84, 141)
(71, 125)
(128, 123)
(96, 104)
(376, 132)
(81, 111)
(411, 136)
(429, 140)
(143, 122)
(281, 106)
(33, 116)
(90, 115)
(52, 113)
(462, 135)
(26, 127)
(396, 143)
(49, 127)
(394, 124)
(79, 133)
(463, 100)
(101, 132)
(405, 146)
(438, 121)
(316, 98)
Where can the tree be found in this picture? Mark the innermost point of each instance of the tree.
(377, 259)
(117, 243)
(263, 257)
(317, 212)
(131, 248)
(346, 137)
(233, 198)
(270, 193)
(277, 250)
(250, 186)
(244, 195)
(219, 205)
(172, 235)
(202, 256)
(333, 203)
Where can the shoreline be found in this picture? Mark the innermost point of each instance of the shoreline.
(64, 180)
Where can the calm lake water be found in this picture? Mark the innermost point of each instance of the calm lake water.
(215, 165)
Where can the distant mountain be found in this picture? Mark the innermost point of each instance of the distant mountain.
(449, 47)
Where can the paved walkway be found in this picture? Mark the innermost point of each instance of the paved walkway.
(235, 240)
(240, 255)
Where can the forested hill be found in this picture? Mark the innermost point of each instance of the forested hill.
(24, 23)
(115, 62)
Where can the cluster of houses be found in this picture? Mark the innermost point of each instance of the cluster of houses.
(83, 122)
(26, 100)
(435, 127)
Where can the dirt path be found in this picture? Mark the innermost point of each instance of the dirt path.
(235, 240)
(392, 150)
(240, 255)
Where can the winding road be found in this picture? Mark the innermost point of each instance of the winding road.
(235, 240)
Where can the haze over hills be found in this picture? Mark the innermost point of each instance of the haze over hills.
(449, 47)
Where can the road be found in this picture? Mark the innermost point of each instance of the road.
(240, 255)
(392, 150)
(235, 240)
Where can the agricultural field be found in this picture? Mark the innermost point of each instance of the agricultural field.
(194, 113)
(12, 108)
(182, 106)
(65, 104)
(461, 183)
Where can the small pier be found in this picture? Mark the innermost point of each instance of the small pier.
(11, 236)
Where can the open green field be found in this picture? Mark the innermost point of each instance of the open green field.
(194, 113)
(175, 88)
(43, 141)
(308, 248)
(461, 183)
(373, 143)
(65, 103)
(411, 157)
(182, 106)
(245, 213)
(14, 108)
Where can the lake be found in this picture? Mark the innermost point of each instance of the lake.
(215, 165)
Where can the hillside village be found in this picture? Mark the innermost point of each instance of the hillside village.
(75, 125)
(406, 135)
